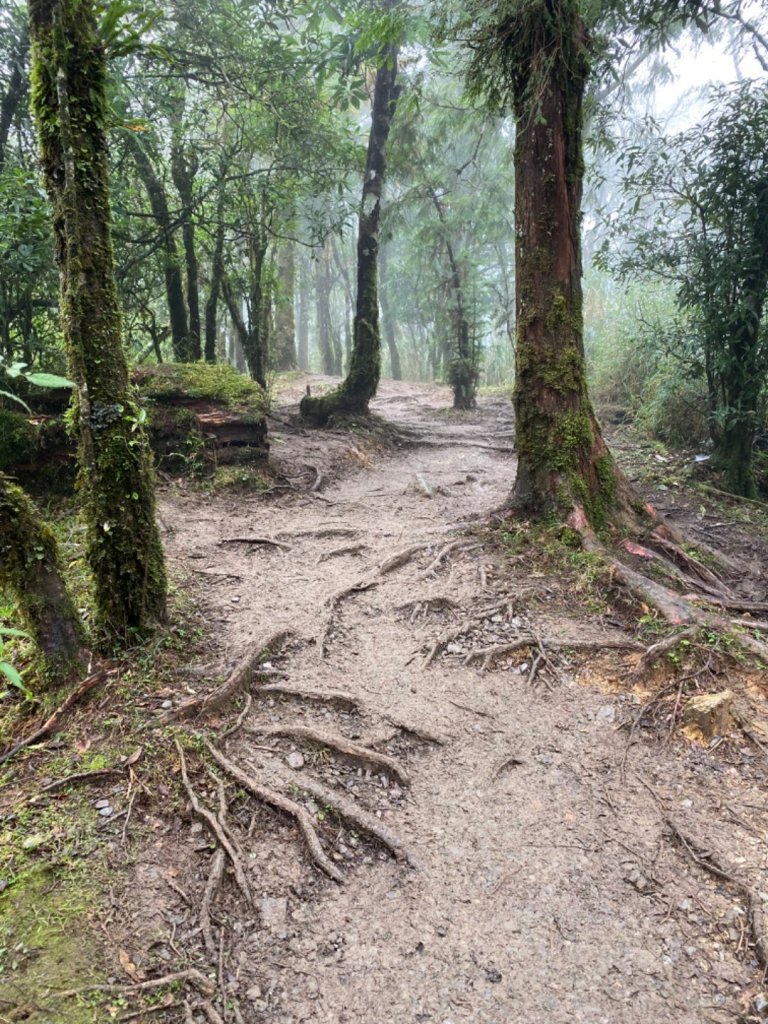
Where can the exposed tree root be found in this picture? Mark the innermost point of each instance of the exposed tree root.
(264, 541)
(352, 549)
(339, 743)
(739, 498)
(735, 605)
(240, 718)
(401, 558)
(677, 555)
(327, 531)
(676, 609)
(217, 827)
(708, 861)
(442, 642)
(215, 876)
(437, 561)
(657, 650)
(487, 654)
(328, 696)
(240, 677)
(88, 684)
(284, 804)
(356, 588)
(348, 810)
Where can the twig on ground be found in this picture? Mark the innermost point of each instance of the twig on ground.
(466, 707)
(193, 976)
(339, 743)
(461, 542)
(215, 876)
(284, 804)
(88, 684)
(101, 773)
(216, 826)
(708, 861)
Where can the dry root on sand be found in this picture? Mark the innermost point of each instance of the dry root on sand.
(339, 743)
(239, 678)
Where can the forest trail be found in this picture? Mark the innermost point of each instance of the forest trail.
(545, 884)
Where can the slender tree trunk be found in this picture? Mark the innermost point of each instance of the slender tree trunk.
(323, 310)
(17, 87)
(388, 320)
(29, 569)
(302, 319)
(217, 271)
(174, 290)
(285, 327)
(116, 474)
(183, 169)
(362, 380)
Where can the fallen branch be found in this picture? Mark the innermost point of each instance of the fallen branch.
(101, 773)
(216, 827)
(284, 804)
(339, 743)
(240, 677)
(88, 684)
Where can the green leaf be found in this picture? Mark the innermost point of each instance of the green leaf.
(12, 676)
(15, 398)
(49, 380)
(7, 631)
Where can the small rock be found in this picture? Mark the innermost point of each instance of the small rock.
(274, 912)
(454, 649)
(709, 714)
(167, 705)
(253, 993)
(105, 811)
(196, 828)
(493, 975)
(234, 600)
(101, 803)
(295, 760)
(607, 713)
(523, 668)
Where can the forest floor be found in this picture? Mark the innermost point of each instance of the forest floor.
(545, 853)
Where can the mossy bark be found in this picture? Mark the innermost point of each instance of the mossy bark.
(562, 459)
(116, 474)
(14, 93)
(362, 380)
(29, 569)
(184, 166)
(217, 269)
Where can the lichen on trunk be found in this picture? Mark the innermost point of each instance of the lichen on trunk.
(115, 466)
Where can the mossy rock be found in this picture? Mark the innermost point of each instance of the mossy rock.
(18, 439)
(194, 408)
(183, 383)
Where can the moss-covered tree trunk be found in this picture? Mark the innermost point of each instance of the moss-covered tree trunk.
(14, 93)
(116, 475)
(29, 569)
(562, 459)
(183, 170)
(362, 380)
(217, 268)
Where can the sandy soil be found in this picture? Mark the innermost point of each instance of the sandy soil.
(547, 886)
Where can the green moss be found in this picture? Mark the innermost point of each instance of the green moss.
(218, 383)
(18, 439)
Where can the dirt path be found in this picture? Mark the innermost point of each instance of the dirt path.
(548, 887)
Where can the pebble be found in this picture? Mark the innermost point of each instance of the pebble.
(105, 811)
(101, 803)
(607, 713)
(166, 705)
(454, 649)
(295, 760)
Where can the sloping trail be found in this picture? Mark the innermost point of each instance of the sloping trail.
(547, 887)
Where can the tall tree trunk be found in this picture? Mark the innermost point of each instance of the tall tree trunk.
(116, 474)
(362, 380)
(17, 87)
(177, 311)
(285, 326)
(388, 320)
(183, 170)
(29, 569)
(563, 461)
(217, 270)
(302, 319)
(323, 310)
